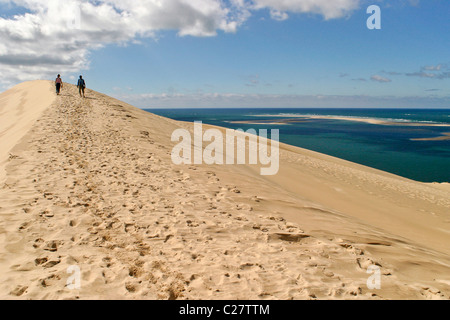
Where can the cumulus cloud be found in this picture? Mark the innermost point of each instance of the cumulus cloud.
(51, 36)
(58, 35)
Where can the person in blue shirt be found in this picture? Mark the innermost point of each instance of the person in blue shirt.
(81, 86)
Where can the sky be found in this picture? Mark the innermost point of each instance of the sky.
(234, 53)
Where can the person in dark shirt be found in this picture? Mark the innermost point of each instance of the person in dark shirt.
(81, 86)
(59, 84)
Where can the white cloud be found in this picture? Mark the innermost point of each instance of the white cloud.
(327, 8)
(278, 15)
(439, 67)
(57, 36)
(439, 71)
(379, 78)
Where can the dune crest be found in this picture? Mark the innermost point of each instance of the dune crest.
(91, 187)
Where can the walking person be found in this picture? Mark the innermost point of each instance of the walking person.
(59, 84)
(81, 86)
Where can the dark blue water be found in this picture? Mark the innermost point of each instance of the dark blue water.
(388, 148)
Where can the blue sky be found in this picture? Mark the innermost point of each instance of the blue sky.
(313, 57)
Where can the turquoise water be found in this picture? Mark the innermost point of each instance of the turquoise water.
(388, 148)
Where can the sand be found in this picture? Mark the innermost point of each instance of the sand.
(90, 184)
(20, 107)
(445, 136)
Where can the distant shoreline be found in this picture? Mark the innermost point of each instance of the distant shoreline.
(446, 136)
(302, 118)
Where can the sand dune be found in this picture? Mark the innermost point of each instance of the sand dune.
(20, 107)
(91, 184)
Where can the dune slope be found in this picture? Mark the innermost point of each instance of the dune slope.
(92, 185)
(20, 107)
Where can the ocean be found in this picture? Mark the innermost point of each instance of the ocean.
(390, 148)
